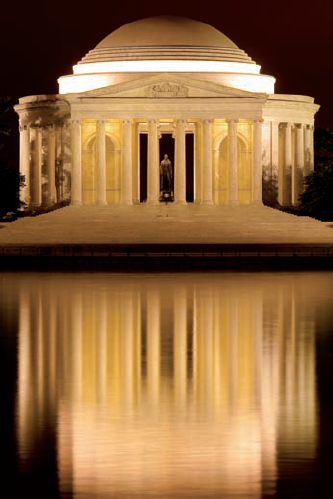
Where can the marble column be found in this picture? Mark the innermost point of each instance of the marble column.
(25, 164)
(36, 177)
(288, 164)
(50, 165)
(180, 163)
(311, 149)
(153, 164)
(207, 178)
(297, 172)
(101, 163)
(76, 180)
(287, 148)
(126, 179)
(307, 153)
(232, 162)
(197, 164)
(257, 162)
(275, 148)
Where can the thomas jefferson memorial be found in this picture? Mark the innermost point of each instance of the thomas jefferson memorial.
(165, 86)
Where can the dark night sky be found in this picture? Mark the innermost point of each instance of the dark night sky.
(292, 40)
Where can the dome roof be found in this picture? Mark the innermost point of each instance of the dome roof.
(166, 38)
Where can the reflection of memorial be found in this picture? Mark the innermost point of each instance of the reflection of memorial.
(168, 387)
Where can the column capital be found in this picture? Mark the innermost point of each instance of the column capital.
(126, 121)
(286, 124)
(180, 121)
(257, 120)
(299, 125)
(207, 121)
(232, 120)
(101, 121)
(152, 122)
(23, 127)
(76, 122)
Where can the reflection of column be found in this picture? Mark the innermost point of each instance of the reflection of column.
(180, 163)
(101, 163)
(127, 350)
(36, 180)
(49, 322)
(102, 347)
(51, 192)
(232, 162)
(76, 180)
(297, 175)
(25, 163)
(24, 373)
(153, 163)
(233, 352)
(127, 182)
(257, 162)
(207, 346)
(153, 346)
(76, 322)
(180, 344)
(207, 172)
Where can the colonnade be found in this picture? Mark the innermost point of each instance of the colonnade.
(294, 157)
(203, 194)
(290, 152)
(41, 147)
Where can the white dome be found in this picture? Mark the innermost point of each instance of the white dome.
(166, 38)
(166, 44)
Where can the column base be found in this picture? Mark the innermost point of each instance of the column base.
(101, 203)
(207, 202)
(127, 203)
(257, 202)
(233, 202)
(76, 203)
(180, 201)
(153, 203)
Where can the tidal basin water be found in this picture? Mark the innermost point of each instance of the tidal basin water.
(166, 386)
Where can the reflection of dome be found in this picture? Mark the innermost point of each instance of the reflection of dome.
(166, 38)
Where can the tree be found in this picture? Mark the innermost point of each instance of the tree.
(10, 180)
(317, 199)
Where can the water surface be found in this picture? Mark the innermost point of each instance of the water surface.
(193, 385)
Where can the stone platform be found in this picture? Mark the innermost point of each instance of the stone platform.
(162, 234)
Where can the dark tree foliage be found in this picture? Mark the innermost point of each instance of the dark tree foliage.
(317, 199)
(10, 180)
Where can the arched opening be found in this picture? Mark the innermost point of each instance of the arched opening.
(89, 172)
(244, 172)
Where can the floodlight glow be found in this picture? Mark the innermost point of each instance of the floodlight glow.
(174, 66)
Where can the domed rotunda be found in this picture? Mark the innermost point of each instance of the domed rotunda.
(165, 108)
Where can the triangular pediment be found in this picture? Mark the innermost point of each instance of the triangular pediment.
(168, 85)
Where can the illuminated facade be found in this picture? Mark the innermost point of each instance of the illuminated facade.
(101, 140)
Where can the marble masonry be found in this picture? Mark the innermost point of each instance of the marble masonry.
(157, 86)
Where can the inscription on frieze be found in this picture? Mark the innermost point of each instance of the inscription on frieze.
(166, 89)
